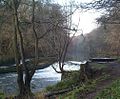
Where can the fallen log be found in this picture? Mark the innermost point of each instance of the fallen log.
(49, 94)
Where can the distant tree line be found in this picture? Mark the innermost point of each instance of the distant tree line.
(105, 40)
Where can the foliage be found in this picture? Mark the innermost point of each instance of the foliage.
(83, 88)
(2, 96)
(95, 42)
(31, 29)
(60, 85)
(98, 66)
(112, 92)
(39, 95)
(105, 45)
(71, 81)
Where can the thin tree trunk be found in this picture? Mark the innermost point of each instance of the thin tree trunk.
(24, 87)
(17, 60)
(35, 34)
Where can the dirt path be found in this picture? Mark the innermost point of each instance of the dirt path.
(113, 70)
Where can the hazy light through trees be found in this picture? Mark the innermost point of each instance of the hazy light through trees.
(87, 18)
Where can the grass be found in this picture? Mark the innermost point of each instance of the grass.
(61, 85)
(118, 59)
(79, 89)
(69, 82)
(98, 66)
(112, 92)
(72, 80)
(2, 96)
(83, 89)
(39, 95)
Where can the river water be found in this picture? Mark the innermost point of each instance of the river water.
(41, 79)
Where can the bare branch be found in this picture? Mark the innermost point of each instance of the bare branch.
(56, 69)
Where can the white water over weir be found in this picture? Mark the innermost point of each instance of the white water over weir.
(41, 79)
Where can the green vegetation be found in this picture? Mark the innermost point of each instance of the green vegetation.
(98, 66)
(61, 85)
(83, 88)
(79, 89)
(112, 92)
(71, 81)
(118, 59)
(2, 96)
(39, 95)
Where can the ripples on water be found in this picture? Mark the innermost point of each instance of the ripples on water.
(41, 78)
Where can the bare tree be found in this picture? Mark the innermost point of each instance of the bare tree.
(62, 38)
(46, 26)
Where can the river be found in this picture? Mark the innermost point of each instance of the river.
(41, 79)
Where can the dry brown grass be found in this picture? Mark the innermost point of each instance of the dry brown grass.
(39, 95)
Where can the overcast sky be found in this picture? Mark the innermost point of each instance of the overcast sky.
(87, 19)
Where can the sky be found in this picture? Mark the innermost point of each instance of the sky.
(87, 19)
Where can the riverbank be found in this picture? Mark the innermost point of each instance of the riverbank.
(41, 79)
(100, 87)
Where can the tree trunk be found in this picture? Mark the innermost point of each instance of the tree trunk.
(27, 85)
(83, 75)
(24, 87)
(86, 72)
(35, 34)
(17, 60)
(63, 75)
(20, 80)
